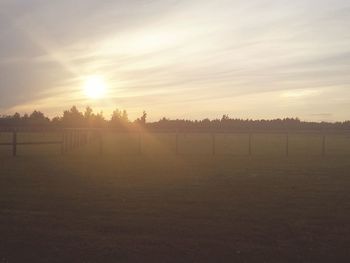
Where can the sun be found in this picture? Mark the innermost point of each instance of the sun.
(95, 87)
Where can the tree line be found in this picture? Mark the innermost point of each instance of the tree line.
(73, 118)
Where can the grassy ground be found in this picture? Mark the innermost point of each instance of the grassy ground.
(192, 208)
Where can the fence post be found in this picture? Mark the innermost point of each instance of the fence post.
(324, 145)
(71, 140)
(84, 137)
(101, 142)
(250, 144)
(287, 144)
(140, 143)
(67, 141)
(79, 137)
(14, 143)
(75, 138)
(213, 145)
(177, 143)
(63, 143)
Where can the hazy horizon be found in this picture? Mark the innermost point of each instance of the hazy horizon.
(179, 59)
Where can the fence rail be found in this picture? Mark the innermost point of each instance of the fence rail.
(75, 138)
(70, 139)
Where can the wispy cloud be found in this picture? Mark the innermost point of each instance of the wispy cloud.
(253, 59)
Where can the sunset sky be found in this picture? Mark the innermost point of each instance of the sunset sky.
(180, 59)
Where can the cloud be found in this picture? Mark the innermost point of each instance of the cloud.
(209, 54)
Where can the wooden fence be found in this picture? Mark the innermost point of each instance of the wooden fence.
(70, 139)
(76, 138)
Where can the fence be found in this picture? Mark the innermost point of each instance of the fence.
(70, 139)
(76, 138)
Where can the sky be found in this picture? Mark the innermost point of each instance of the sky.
(187, 59)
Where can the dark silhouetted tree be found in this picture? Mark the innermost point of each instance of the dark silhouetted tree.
(142, 119)
(119, 119)
(73, 118)
(38, 118)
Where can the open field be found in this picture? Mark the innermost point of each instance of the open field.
(262, 144)
(193, 208)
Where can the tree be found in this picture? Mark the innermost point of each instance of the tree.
(88, 116)
(142, 119)
(116, 119)
(125, 117)
(37, 118)
(88, 112)
(17, 116)
(119, 119)
(73, 118)
(225, 117)
(98, 120)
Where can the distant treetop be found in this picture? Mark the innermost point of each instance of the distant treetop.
(73, 118)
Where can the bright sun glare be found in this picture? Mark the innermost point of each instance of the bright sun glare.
(95, 87)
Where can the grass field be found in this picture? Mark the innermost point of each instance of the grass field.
(192, 208)
(160, 207)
